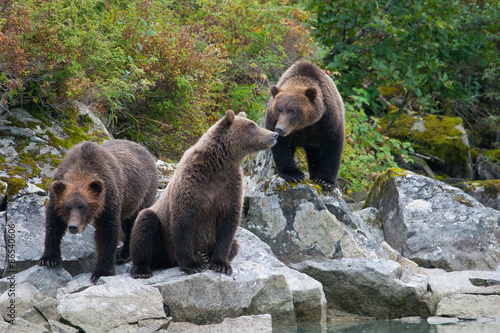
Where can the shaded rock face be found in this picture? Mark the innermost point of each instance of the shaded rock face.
(488, 165)
(373, 287)
(434, 224)
(299, 224)
(486, 192)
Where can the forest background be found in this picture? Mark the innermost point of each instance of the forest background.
(161, 72)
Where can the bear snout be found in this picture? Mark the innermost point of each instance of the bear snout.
(279, 130)
(73, 228)
(274, 135)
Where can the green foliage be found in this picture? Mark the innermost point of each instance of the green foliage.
(436, 56)
(367, 153)
(159, 71)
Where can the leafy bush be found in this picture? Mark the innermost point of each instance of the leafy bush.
(435, 56)
(159, 71)
(367, 153)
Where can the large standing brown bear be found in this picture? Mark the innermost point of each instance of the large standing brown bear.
(108, 184)
(307, 111)
(193, 223)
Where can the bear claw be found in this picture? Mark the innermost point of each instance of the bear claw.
(49, 261)
(222, 268)
(140, 272)
(326, 185)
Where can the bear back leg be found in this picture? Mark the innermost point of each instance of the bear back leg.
(107, 232)
(123, 255)
(146, 245)
(323, 164)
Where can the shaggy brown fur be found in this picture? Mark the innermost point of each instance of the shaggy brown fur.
(194, 222)
(108, 184)
(307, 111)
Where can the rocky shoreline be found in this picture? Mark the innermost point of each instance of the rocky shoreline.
(421, 249)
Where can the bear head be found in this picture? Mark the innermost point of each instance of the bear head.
(295, 108)
(243, 135)
(78, 203)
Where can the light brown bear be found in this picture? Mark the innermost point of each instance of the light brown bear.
(108, 184)
(307, 111)
(194, 222)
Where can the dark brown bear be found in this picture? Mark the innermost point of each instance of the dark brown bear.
(193, 223)
(107, 184)
(307, 111)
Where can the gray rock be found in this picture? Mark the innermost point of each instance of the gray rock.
(48, 309)
(143, 326)
(256, 324)
(115, 301)
(260, 284)
(370, 287)
(299, 224)
(442, 320)
(466, 294)
(434, 224)
(57, 327)
(18, 302)
(26, 219)
(487, 169)
(486, 192)
(257, 169)
(24, 326)
(34, 317)
(46, 280)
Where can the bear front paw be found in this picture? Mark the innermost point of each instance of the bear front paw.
(141, 272)
(192, 266)
(295, 177)
(325, 184)
(50, 261)
(100, 271)
(221, 267)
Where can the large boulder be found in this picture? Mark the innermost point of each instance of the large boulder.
(466, 295)
(299, 223)
(371, 287)
(259, 284)
(442, 140)
(434, 224)
(115, 302)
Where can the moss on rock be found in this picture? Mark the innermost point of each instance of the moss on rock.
(441, 137)
(381, 182)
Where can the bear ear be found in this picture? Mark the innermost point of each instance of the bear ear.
(274, 91)
(57, 188)
(96, 187)
(242, 114)
(227, 119)
(311, 93)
